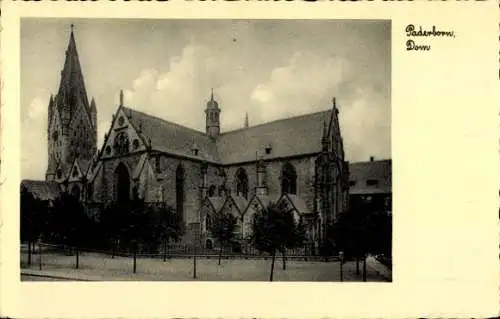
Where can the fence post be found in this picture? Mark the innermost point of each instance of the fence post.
(135, 259)
(164, 249)
(77, 257)
(364, 267)
(40, 255)
(29, 252)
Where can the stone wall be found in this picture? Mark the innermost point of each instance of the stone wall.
(304, 167)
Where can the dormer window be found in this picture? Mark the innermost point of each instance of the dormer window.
(75, 172)
(195, 149)
(268, 149)
(59, 173)
(121, 120)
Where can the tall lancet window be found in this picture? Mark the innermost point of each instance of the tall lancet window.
(288, 179)
(122, 183)
(179, 189)
(121, 144)
(242, 183)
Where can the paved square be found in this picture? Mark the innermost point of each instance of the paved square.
(93, 266)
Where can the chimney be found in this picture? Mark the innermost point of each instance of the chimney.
(371, 158)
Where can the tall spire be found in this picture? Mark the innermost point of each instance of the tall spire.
(335, 105)
(121, 97)
(212, 94)
(72, 92)
(51, 107)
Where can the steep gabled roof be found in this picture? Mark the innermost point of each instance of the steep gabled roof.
(262, 201)
(298, 203)
(296, 136)
(362, 172)
(240, 202)
(217, 202)
(42, 190)
(172, 138)
(287, 137)
(84, 165)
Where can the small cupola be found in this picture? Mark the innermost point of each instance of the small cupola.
(212, 103)
(212, 117)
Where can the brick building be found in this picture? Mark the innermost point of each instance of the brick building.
(298, 162)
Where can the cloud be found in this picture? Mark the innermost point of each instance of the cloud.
(102, 129)
(308, 82)
(37, 109)
(366, 127)
(34, 140)
(303, 85)
(180, 92)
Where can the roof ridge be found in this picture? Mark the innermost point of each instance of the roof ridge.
(275, 121)
(164, 120)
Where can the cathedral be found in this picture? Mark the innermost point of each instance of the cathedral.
(296, 162)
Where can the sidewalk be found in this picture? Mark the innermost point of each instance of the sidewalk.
(379, 268)
(65, 275)
(95, 267)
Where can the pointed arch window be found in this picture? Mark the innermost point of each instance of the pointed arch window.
(208, 222)
(90, 191)
(122, 183)
(75, 192)
(222, 190)
(121, 144)
(242, 183)
(179, 189)
(288, 179)
(211, 191)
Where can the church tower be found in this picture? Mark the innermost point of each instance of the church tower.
(72, 126)
(212, 114)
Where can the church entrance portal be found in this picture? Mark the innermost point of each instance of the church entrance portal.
(122, 182)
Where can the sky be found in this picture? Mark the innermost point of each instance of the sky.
(270, 69)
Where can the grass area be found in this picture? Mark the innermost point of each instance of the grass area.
(102, 267)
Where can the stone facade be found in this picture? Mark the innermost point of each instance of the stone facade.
(298, 160)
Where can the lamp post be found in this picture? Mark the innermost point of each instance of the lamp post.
(134, 246)
(40, 252)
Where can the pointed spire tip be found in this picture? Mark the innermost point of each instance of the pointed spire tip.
(121, 97)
